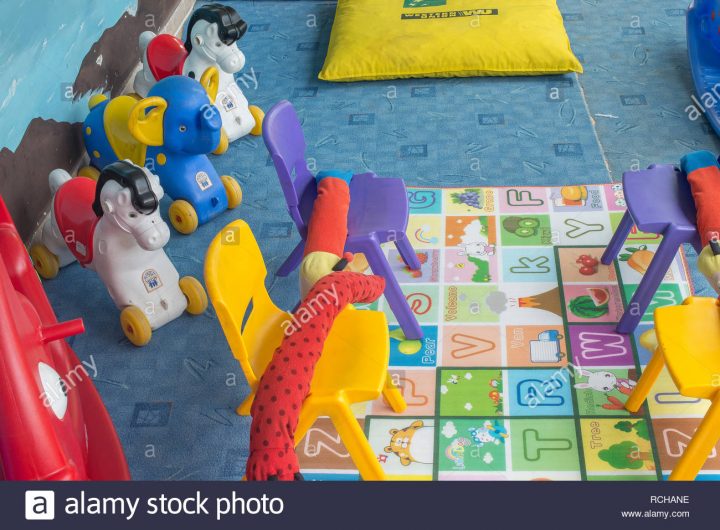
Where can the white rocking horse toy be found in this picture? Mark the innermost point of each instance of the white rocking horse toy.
(114, 228)
(50, 252)
(212, 35)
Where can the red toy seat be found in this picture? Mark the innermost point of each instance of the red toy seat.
(166, 56)
(76, 218)
(74, 441)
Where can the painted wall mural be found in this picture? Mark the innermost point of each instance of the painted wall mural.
(54, 56)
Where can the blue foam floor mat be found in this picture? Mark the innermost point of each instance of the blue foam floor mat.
(173, 401)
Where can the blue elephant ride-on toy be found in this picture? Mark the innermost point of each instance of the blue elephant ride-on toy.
(171, 132)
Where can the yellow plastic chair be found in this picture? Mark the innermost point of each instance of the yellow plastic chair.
(354, 362)
(686, 339)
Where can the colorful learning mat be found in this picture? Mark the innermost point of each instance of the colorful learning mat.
(520, 374)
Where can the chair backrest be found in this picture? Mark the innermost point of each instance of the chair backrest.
(284, 139)
(235, 278)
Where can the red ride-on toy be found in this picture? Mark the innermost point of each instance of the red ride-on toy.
(53, 424)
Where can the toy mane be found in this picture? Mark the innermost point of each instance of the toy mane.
(128, 176)
(231, 27)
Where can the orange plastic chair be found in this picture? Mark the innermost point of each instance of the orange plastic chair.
(686, 339)
(354, 362)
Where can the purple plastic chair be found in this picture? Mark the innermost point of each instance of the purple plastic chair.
(378, 210)
(659, 201)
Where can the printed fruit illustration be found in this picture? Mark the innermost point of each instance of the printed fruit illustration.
(358, 264)
(405, 346)
(600, 296)
(521, 226)
(588, 264)
(470, 197)
(592, 305)
(574, 193)
(587, 260)
(422, 258)
(638, 258)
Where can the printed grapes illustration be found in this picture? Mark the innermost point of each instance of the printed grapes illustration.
(469, 197)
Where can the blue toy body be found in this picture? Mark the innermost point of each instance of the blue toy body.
(191, 178)
(170, 132)
(703, 41)
(188, 174)
(97, 145)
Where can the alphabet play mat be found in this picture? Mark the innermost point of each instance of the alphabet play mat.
(520, 374)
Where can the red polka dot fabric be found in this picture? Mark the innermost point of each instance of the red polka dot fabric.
(286, 381)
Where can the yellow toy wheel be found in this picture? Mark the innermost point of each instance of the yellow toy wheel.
(183, 217)
(232, 190)
(135, 325)
(46, 263)
(89, 172)
(223, 145)
(259, 116)
(195, 294)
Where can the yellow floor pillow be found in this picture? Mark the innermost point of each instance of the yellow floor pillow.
(386, 39)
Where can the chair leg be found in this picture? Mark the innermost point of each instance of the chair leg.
(394, 295)
(393, 395)
(293, 260)
(646, 382)
(701, 444)
(618, 239)
(407, 253)
(305, 421)
(356, 443)
(243, 409)
(651, 280)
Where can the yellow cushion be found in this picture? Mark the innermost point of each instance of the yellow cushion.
(386, 39)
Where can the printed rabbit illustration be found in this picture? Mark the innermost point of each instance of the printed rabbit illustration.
(605, 382)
